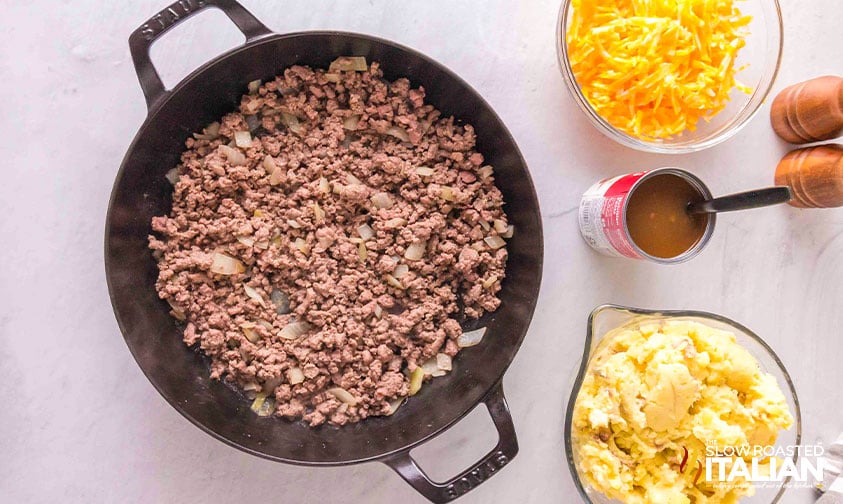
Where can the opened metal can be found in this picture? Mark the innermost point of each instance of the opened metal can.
(605, 210)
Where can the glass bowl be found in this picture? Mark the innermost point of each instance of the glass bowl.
(762, 54)
(608, 317)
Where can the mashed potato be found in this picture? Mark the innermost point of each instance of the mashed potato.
(653, 391)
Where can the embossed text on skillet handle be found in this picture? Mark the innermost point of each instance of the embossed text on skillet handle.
(488, 466)
(142, 38)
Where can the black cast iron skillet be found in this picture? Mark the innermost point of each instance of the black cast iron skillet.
(182, 376)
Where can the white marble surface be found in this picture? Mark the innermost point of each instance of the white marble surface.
(80, 423)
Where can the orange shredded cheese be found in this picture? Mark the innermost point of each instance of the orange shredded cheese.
(655, 68)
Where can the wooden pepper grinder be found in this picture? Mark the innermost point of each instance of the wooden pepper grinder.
(814, 175)
(810, 111)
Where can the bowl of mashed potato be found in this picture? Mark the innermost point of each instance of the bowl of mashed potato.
(671, 407)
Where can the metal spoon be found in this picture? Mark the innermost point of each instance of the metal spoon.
(743, 201)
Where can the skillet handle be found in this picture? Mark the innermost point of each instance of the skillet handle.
(488, 466)
(142, 38)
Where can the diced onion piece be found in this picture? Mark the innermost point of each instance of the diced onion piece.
(294, 330)
(281, 302)
(500, 226)
(415, 251)
(510, 230)
(243, 139)
(490, 281)
(253, 121)
(269, 165)
(253, 294)
(447, 193)
(263, 245)
(249, 242)
(268, 408)
(324, 185)
(429, 366)
(234, 156)
(226, 265)
(291, 122)
(471, 338)
(485, 225)
(382, 200)
(333, 77)
(257, 404)
(395, 404)
(263, 405)
(416, 379)
(250, 333)
(302, 246)
(250, 108)
(399, 133)
(343, 395)
(293, 224)
(494, 241)
(378, 311)
(213, 129)
(391, 280)
(395, 222)
(324, 242)
(250, 387)
(350, 123)
(276, 176)
(295, 375)
(172, 176)
(348, 64)
(353, 180)
(337, 189)
(211, 132)
(318, 213)
(177, 311)
(254, 86)
(271, 384)
(486, 172)
(424, 171)
(366, 232)
(479, 246)
(444, 362)
(400, 270)
(362, 252)
(266, 325)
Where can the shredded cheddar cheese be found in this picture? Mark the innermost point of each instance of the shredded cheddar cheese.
(655, 68)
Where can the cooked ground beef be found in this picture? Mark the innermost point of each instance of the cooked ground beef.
(325, 240)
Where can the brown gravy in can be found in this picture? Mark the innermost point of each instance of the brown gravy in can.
(657, 218)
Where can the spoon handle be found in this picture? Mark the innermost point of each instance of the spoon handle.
(743, 201)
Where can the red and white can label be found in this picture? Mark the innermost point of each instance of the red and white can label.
(603, 218)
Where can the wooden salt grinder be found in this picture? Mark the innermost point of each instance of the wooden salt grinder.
(814, 175)
(810, 111)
